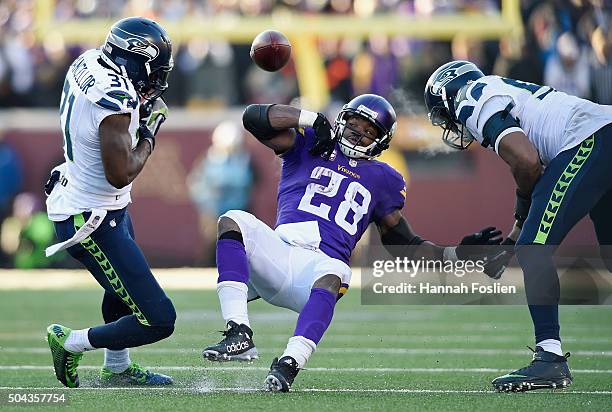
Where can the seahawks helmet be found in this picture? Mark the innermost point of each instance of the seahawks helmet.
(377, 111)
(141, 49)
(440, 93)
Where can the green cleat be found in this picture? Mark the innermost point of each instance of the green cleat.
(65, 362)
(134, 375)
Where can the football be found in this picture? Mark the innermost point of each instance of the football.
(270, 50)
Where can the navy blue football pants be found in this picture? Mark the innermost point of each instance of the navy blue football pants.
(577, 182)
(135, 309)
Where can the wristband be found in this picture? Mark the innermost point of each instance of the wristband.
(450, 254)
(307, 118)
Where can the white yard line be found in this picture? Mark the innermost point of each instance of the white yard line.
(204, 390)
(323, 350)
(343, 370)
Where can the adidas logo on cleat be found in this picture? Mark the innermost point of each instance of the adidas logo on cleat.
(236, 347)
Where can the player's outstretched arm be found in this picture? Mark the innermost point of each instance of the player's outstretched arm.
(121, 163)
(397, 235)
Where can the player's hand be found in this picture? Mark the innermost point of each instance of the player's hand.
(325, 142)
(143, 133)
(153, 114)
(468, 249)
(497, 263)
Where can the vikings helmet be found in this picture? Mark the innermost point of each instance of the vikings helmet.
(141, 49)
(377, 111)
(440, 93)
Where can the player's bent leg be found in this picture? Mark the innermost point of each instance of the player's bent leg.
(232, 289)
(312, 323)
(569, 188)
(119, 266)
(602, 221)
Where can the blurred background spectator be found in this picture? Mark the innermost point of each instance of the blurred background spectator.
(27, 233)
(10, 184)
(564, 44)
(222, 180)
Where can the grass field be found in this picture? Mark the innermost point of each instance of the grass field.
(372, 358)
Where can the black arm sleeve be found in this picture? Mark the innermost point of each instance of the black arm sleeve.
(398, 238)
(255, 120)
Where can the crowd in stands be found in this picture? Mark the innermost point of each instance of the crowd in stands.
(567, 44)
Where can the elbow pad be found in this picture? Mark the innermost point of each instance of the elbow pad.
(255, 120)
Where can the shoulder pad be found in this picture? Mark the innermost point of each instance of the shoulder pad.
(110, 91)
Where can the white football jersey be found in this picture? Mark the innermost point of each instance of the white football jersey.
(553, 121)
(91, 92)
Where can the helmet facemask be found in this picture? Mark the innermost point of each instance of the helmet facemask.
(157, 82)
(350, 139)
(454, 134)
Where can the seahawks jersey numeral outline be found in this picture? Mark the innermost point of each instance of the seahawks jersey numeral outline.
(331, 190)
(66, 106)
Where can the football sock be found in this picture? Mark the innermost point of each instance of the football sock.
(232, 260)
(300, 349)
(117, 360)
(78, 341)
(233, 300)
(316, 315)
(545, 321)
(551, 345)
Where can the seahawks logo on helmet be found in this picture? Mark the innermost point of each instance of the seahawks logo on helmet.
(442, 80)
(134, 44)
(446, 76)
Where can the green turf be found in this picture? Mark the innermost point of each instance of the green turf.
(396, 348)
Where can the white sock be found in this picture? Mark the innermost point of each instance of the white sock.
(551, 345)
(78, 341)
(233, 299)
(117, 360)
(300, 349)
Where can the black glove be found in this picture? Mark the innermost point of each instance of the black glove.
(325, 142)
(486, 237)
(521, 208)
(143, 133)
(496, 264)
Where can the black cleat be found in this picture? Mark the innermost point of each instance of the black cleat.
(237, 345)
(282, 373)
(547, 370)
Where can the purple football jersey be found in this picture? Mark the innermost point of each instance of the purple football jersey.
(342, 195)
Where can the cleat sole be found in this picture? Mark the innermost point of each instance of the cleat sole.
(215, 356)
(273, 384)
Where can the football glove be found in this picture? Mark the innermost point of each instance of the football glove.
(143, 133)
(486, 237)
(324, 143)
(496, 264)
(153, 114)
